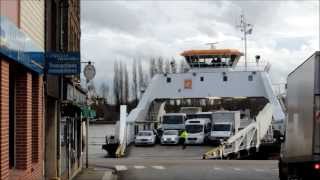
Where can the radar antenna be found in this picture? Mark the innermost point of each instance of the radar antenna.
(246, 29)
(212, 45)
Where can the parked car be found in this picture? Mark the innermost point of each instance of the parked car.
(170, 137)
(145, 138)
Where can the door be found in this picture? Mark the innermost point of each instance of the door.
(64, 147)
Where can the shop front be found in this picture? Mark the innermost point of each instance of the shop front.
(72, 141)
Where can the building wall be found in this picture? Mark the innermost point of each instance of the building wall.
(10, 9)
(4, 119)
(32, 20)
(27, 164)
(74, 25)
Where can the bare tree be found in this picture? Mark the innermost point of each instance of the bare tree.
(134, 80)
(167, 67)
(126, 84)
(184, 67)
(141, 77)
(160, 65)
(153, 67)
(116, 83)
(104, 90)
(173, 64)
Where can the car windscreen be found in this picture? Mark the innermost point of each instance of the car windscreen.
(221, 127)
(145, 134)
(170, 133)
(173, 120)
(195, 116)
(194, 128)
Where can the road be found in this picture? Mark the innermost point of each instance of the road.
(172, 169)
(171, 162)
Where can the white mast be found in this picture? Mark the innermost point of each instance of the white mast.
(246, 29)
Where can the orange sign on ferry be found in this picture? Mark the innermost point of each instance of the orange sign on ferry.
(187, 84)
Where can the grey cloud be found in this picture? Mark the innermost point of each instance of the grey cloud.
(144, 29)
(110, 14)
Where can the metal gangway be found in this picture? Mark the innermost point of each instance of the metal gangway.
(246, 139)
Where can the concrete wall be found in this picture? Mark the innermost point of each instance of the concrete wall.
(32, 20)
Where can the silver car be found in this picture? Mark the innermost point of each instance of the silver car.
(145, 138)
(170, 137)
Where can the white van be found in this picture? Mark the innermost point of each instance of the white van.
(225, 124)
(198, 130)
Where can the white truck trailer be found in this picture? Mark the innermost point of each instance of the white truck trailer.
(300, 152)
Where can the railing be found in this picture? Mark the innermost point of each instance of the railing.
(246, 138)
(251, 66)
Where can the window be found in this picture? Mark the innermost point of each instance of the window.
(250, 78)
(168, 80)
(173, 120)
(201, 78)
(136, 129)
(194, 128)
(225, 78)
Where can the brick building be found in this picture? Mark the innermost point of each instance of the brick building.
(63, 137)
(21, 90)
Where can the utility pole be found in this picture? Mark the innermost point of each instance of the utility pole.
(246, 29)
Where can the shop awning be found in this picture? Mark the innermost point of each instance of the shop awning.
(15, 45)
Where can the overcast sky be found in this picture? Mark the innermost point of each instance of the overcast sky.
(285, 32)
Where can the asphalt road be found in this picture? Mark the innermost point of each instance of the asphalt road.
(198, 170)
(171, 162)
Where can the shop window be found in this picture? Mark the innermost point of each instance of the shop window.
(250, 78)
(168, 80)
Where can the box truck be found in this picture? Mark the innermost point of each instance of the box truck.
(300, 150)
(224, 125)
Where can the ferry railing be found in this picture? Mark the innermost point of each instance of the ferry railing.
(251, 66)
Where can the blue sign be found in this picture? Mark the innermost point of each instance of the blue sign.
(58, 63)
(14, 45)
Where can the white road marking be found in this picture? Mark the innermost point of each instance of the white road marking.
(217, 169)
(237, 169)
(159, 167)
(121, 168)
(139, 167)
(107, 175)
(259, 170)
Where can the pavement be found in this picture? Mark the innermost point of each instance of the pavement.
(97, 173)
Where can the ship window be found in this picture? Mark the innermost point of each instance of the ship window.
(250, 78)
(225, 78)
(201, 78)
(168, 80)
